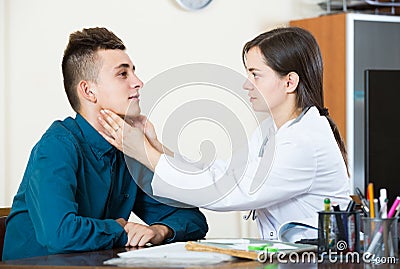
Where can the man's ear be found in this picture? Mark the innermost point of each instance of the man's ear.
(86, 90)
(291, 82)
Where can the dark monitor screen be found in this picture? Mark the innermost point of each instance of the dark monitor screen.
(382, 131)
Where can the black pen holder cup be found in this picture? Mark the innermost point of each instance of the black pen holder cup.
(338, 232)
(380, 239)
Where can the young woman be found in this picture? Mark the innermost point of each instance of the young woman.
(295, 168)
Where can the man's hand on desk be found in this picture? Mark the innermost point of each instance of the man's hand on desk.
(139, 235)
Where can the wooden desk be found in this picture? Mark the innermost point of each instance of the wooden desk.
(95, 259)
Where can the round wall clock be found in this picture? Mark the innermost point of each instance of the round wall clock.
(193, 4)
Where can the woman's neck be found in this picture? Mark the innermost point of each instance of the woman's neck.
(283, 115)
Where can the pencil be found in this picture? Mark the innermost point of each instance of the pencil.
(371, 200)
(327, 208)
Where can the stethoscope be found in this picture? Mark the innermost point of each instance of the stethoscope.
(252, 213)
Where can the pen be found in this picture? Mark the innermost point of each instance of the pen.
(397, 211)
(336, 207)
(394, 207)
(376, 207)
(383, 211)
(383, 202)
(327, 205)
(364, 202)
(349, 226)
(371, 200)
(350, 206)
(327, 208)
(383, 215)
(339, 222)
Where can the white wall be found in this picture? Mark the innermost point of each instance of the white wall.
(3, 189)
(159, 35)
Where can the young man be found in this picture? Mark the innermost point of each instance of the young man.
(77, 192)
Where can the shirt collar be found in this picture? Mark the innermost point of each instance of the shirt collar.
(91, 137)
(306, 111)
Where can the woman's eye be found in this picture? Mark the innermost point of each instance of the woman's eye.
(254, 75)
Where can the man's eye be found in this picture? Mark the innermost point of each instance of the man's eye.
(123, 74)
(254, 75)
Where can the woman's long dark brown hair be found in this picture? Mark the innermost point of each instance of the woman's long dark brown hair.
(294, 49)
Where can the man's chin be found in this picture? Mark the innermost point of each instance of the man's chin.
(131, 115)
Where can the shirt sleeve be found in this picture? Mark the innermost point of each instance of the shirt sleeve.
(286, 170)
(186, 223)
(52, 207)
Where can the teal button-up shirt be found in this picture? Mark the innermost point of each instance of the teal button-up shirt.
(75, 185)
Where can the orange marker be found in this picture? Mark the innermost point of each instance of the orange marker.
(371, 200)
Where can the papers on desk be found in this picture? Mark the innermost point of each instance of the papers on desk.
(170, 255)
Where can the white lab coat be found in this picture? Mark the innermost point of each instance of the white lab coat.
(301, 166)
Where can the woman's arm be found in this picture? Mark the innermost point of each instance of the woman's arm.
(246, 182)
(241, 185)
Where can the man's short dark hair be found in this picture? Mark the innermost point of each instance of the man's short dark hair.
(80, 61)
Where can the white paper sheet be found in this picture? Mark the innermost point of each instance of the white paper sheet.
(169, 255)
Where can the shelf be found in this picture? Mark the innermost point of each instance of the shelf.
(367, 6)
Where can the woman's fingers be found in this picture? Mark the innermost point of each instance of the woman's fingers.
(112, 119)
(114, 136)
(107, 126)
(125, 137)
(150, 131)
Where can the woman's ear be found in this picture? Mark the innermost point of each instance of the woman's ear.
(292, 80)
(87, 91)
